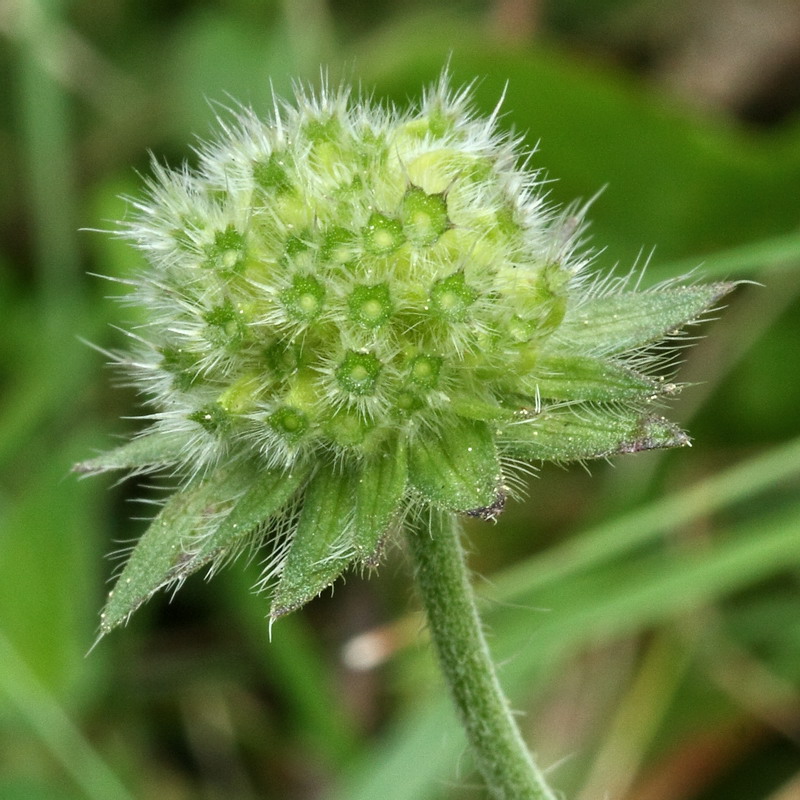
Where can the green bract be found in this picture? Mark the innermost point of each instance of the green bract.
(352, 311)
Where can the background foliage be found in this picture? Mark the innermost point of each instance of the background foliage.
(646, 616)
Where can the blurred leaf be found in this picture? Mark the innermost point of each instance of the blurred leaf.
(755, 258)
(297, 661)
(57, 731)
(622, 536)
(49, 173)
(768, 625)
(11, 789)
(50, 530)
(219, 58)
(45, 374)
(628, 596)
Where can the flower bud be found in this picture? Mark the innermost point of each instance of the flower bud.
(354, 310)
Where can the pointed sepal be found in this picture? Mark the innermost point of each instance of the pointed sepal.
(151, 450)
(582, 378)
(577, 434)
(322, 545)
(163, 554)
(481, 410)
(267, 496)
(456, 468)
(379, 496)
(611, 324)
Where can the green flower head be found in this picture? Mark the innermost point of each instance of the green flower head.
(353, 312)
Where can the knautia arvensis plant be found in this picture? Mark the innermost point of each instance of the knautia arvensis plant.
(358, 320)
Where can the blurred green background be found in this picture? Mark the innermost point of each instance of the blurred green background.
(645, 616)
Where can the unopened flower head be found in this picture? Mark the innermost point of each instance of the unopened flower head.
(353, 311)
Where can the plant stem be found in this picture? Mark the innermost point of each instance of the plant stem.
(497, 745)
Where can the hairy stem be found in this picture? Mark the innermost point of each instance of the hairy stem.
(499, 751)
